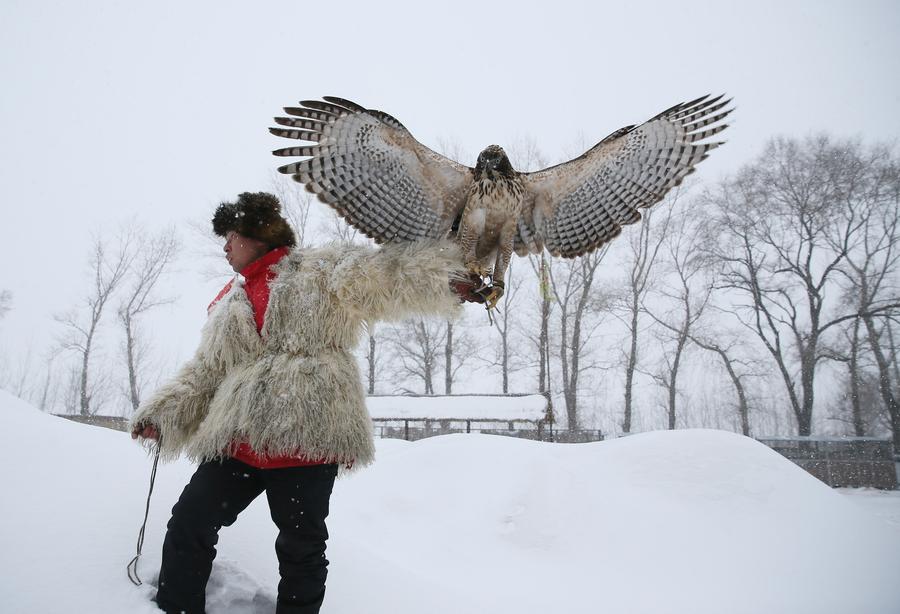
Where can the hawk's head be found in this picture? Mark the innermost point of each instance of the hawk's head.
(493, 162)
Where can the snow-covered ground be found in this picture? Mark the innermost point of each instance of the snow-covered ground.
(669, 522)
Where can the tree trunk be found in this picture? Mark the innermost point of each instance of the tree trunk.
(370, 357)
(807, 374)
(429, 387)
(630, 368)
(129, 357)
(448, 360)
(859, 425)
(83, 397)
(884, 381)
(743, 407)
(544, 349)
(564, 361)
(893, 360)
(504, 364)
(428, 362)
(673, 379)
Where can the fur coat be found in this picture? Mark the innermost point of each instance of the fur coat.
(296, 385)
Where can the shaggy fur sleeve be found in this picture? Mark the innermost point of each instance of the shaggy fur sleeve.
(398, 281)
(177, 407)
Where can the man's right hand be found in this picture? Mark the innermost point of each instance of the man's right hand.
(145, 430)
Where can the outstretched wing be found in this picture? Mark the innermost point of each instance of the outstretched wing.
(372, 171)
(575, 207)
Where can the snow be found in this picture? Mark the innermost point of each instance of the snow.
(688, 521)
(524, 407)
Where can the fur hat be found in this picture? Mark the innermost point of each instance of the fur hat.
(256, 215)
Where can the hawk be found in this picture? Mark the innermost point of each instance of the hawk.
(369, 168)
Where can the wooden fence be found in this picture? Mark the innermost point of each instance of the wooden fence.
(841, 462)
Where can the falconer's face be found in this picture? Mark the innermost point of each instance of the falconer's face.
(241, 251)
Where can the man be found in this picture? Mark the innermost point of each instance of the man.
(272, 400)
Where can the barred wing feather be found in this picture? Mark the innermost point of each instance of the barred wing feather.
(575, 207)
(369, 168)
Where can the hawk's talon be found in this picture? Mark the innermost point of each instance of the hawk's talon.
(476, 268)
(491, 294)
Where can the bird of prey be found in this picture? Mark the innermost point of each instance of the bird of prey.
(369, 168)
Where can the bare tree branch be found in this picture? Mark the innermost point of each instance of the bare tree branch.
(784, 229)
(108, 267)
(153, 256)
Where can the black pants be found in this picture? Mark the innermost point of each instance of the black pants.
(217, 493)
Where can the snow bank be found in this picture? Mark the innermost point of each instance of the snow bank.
(685, 521)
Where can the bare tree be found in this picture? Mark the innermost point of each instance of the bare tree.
(687, 290)
(872, 262)
(449, 371)
(153, 256)
(856, 388)
(643, 248)
(417, 343)
(785, 234)
(572, 284)
(853, 366)
(541, 266)
(895, 362)
(108, 267)
(458, 349)
(735, 367)
(372, 357)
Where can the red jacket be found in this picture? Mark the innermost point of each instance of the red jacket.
(257, 276)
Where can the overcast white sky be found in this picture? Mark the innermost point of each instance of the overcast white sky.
(111, 110)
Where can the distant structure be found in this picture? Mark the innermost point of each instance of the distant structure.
(413, 417)
(841, 462)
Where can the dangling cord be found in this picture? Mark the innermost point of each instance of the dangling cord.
(545, 294)
(132, 566)
(486, 305)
